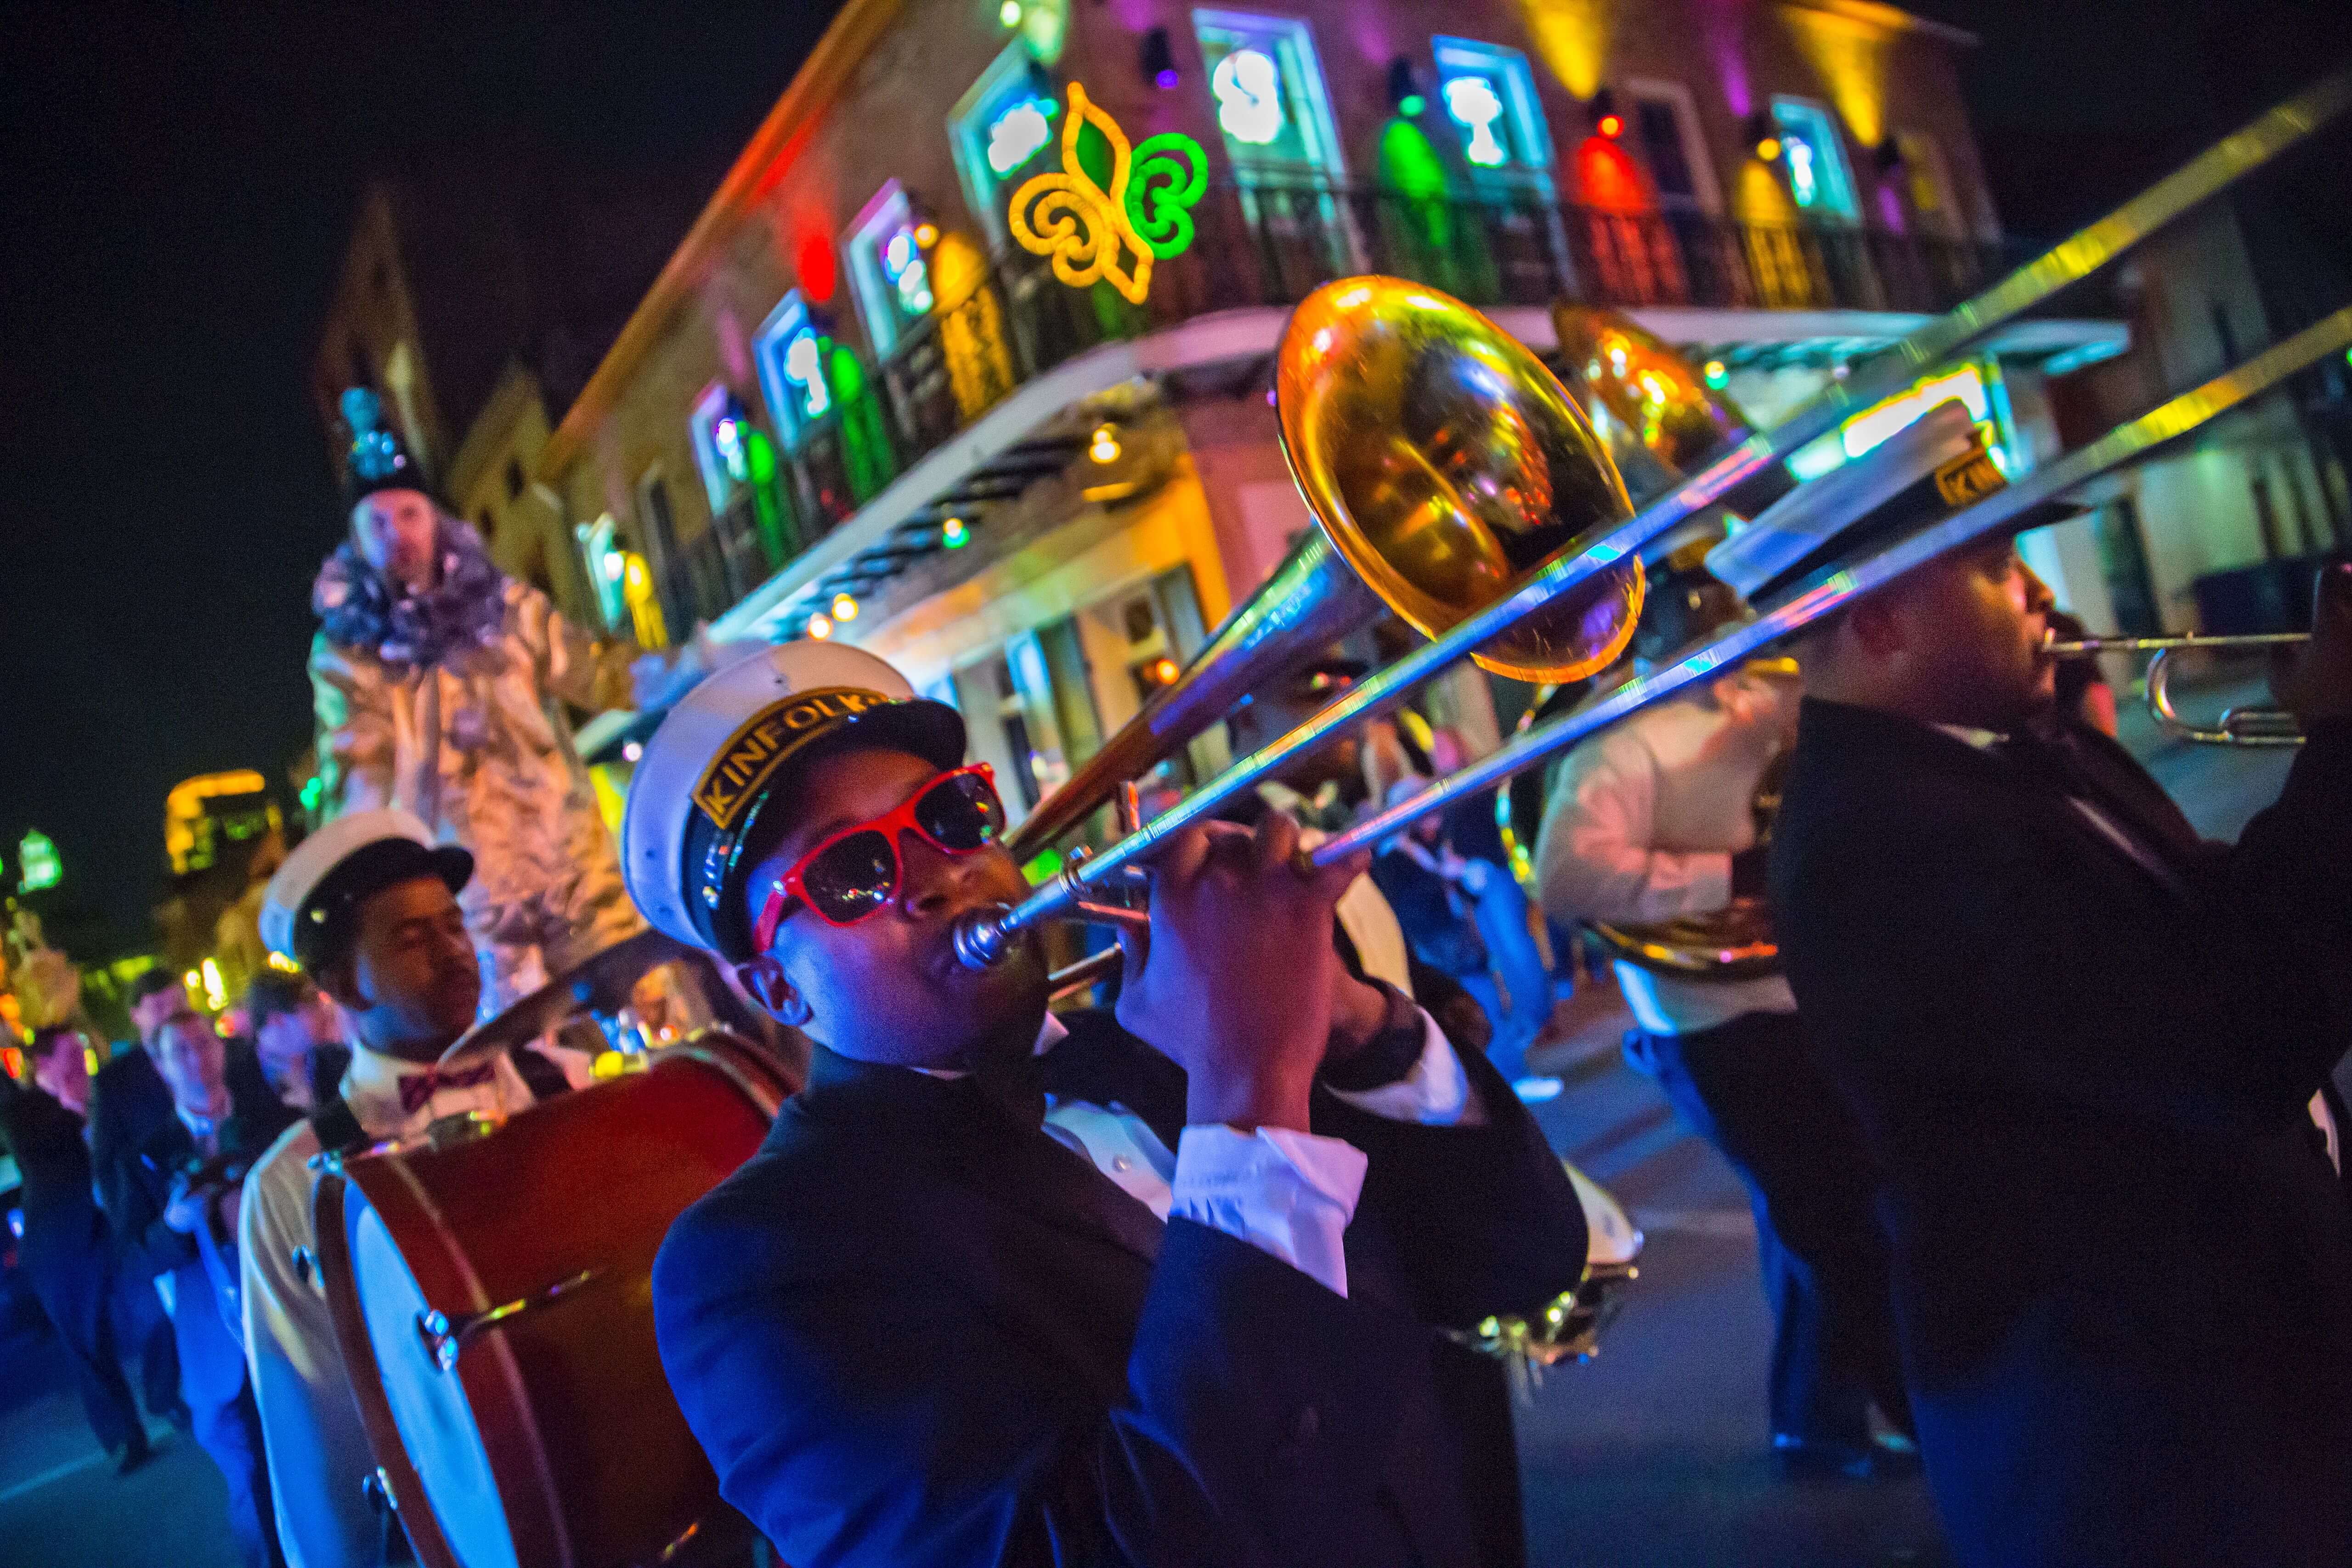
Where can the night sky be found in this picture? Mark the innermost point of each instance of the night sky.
(178, 183)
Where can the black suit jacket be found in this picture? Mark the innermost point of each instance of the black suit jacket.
(66, 1246)
(914, 1329)
(136, 1170)
(2123, 1271)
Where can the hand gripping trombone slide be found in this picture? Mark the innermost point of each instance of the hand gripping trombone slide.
(984, 939)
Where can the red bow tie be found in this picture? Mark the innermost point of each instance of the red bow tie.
(417, 1089)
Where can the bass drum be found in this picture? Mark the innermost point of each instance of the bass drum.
(491, 1288)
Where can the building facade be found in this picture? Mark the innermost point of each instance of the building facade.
(871, 396)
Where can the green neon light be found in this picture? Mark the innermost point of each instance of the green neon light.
(38, 856)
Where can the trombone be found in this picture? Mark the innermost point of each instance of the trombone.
(1361, 354)
(2237, 726)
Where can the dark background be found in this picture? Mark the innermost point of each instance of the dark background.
(175, 187)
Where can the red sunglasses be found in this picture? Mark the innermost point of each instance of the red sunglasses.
(854, 873)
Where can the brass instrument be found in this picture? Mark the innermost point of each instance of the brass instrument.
(1661, 419)
(1444, 465)
(2237, 726)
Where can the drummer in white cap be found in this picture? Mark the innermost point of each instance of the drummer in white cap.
(367, 907)
(916, 1330)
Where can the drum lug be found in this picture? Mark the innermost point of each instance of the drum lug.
(376, 1487)
(443, 1336)
(306, 1266)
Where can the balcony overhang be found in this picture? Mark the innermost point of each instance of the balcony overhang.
(997, 453)
(999, 446)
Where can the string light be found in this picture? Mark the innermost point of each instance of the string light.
(1104, 448)
(819, 628)
(954, 534)
(1716, 377)
(632, 751)
(1009, 13)
(844, 609)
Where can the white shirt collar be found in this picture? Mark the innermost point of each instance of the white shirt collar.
(1050, 1033)
(1982, 740)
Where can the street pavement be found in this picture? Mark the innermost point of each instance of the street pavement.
(1655, 1453)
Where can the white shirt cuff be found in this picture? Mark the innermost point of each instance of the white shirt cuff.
(1436, 1094)
(1289, 1193)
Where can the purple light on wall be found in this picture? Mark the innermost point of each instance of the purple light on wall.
(1890, 206)
(1165, 79)
(1722, 22)
(1137, 16)
(734, 348)
(1370, 40)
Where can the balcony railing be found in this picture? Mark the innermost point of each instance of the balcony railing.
(1261, 245)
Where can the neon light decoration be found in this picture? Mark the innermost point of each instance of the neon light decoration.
(1017, 134)
(1248, 87)
(1476, 106)
(804, 368)
(1097, 235)
(910, 276)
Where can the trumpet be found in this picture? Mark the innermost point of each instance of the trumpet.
(2236, 726)
(1366, 363)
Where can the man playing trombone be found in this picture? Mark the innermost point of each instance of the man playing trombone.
(1658, 818)
(2081, 1042)
(1001, 1288)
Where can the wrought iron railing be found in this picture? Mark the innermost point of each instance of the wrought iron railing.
(1270, 245)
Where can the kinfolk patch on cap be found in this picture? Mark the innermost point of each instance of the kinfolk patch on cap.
(732, 782)
(1969, 478)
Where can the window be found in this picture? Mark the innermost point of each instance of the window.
(1489, 95)
(607, 565)
(887, 271)
(514, 479)
(1268, 88)
(1814, 159)
(1000, 132)
(1666, 133)
(790, 357)
(719, 428)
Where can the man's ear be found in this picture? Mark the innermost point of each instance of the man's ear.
(1877, 625)
(763, 980)
(340, 980)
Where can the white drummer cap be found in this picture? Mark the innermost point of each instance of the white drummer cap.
(305, 909)
(719, 757)
(1930, 469)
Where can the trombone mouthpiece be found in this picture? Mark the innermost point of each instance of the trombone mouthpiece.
(982, 939)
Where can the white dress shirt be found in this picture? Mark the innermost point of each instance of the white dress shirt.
(1289, 1193)
(318, 1451)
(1641, 825)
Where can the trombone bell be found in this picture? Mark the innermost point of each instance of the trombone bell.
(1447, 464)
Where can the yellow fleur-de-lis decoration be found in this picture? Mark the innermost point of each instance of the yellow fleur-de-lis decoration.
(1097, 235)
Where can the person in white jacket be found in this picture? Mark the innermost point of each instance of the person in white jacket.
(370, 906)
(440, 685)
(1655, 818)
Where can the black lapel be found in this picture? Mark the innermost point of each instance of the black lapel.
(1103, 1063)
(1866, 741)
(976, 1143)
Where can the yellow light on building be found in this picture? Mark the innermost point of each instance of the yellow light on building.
(1850, 55)
(844, 609)
(1105, 447)
(215, 991)
(644, 607)
(819, 628)
(1573, 37)
(283, 964)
